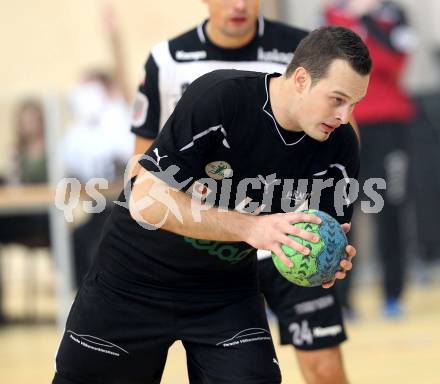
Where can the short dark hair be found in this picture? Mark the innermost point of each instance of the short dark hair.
(324, 45)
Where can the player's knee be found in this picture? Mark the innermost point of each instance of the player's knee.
(324, 372)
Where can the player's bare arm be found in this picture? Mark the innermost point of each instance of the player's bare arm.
(261, 232)
(142, 145)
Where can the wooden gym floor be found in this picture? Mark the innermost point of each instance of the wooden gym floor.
(404, 351)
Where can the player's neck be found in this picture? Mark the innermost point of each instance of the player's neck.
(222, 40)
(283, 104)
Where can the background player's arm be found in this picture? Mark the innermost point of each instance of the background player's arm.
(142, 145)
(111, 25)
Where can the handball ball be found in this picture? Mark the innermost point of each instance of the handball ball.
(321, 264)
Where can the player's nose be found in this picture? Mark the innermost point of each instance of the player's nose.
(240, 5)
(343, 115)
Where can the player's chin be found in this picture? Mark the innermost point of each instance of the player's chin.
(319, 135)
(238, 29)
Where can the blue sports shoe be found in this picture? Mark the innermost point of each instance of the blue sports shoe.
(392, 308)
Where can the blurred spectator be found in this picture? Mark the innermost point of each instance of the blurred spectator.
(98, 143)
(425, 141)
(30, 151)
(29, 167)
(384, 117)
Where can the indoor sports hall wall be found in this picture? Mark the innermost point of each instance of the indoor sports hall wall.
(46, 44)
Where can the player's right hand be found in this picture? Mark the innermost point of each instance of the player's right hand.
(270, 232)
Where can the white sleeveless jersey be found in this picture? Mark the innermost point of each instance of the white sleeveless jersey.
(173, 64)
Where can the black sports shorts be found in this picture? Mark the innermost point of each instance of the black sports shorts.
(115, 335)
(310, 318)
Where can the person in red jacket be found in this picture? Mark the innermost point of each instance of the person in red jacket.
(383, 117)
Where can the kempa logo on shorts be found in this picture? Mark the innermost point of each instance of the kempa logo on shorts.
(249, 335)
(302, 334)
(96, 344)
(218, 170)
(327, 331)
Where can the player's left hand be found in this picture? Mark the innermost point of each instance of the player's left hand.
(345, 264)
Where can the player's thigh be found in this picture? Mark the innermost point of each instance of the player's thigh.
(232, 345)
(309, 318)
(110, 338)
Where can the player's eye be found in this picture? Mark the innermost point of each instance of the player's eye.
(337, 101)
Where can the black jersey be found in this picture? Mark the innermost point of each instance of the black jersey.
(173, 64)
(223, 143)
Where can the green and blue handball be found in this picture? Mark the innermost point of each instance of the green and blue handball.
(323, 261)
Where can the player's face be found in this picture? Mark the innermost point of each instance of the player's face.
(30, 123)
(233, 18)
(328, 103)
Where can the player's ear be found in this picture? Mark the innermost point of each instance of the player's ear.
(300, 78)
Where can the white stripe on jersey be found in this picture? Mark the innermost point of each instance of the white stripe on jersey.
(344, 175)
(273, 118)
(200, 32)
(346, 179)
(205, 132)
(260, 25)
(165, 62)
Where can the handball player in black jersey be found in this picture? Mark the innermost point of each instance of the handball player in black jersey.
(178, 256)
(236, 36)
